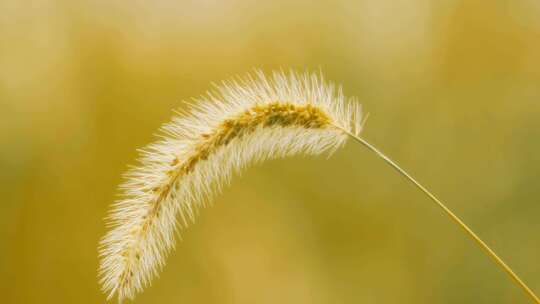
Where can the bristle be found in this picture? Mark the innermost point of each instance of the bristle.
(243, 121)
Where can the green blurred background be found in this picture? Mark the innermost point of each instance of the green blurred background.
(453, 92)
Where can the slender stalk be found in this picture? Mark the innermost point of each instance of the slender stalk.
(454, 217)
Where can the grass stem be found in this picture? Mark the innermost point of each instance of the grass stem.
(454, 217)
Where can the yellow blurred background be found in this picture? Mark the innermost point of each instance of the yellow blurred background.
(453, 92)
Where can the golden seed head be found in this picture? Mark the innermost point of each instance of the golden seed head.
(260, 118)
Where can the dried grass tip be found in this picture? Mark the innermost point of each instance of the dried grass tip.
(241, 121)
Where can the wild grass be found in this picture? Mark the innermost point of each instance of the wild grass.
(242, 121)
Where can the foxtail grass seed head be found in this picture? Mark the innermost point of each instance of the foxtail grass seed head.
(242, 121)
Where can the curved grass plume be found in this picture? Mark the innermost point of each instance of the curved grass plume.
(242, 121)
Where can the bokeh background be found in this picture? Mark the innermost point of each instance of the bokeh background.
(453, 89)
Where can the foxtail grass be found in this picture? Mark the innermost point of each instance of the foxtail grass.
(242, 121)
